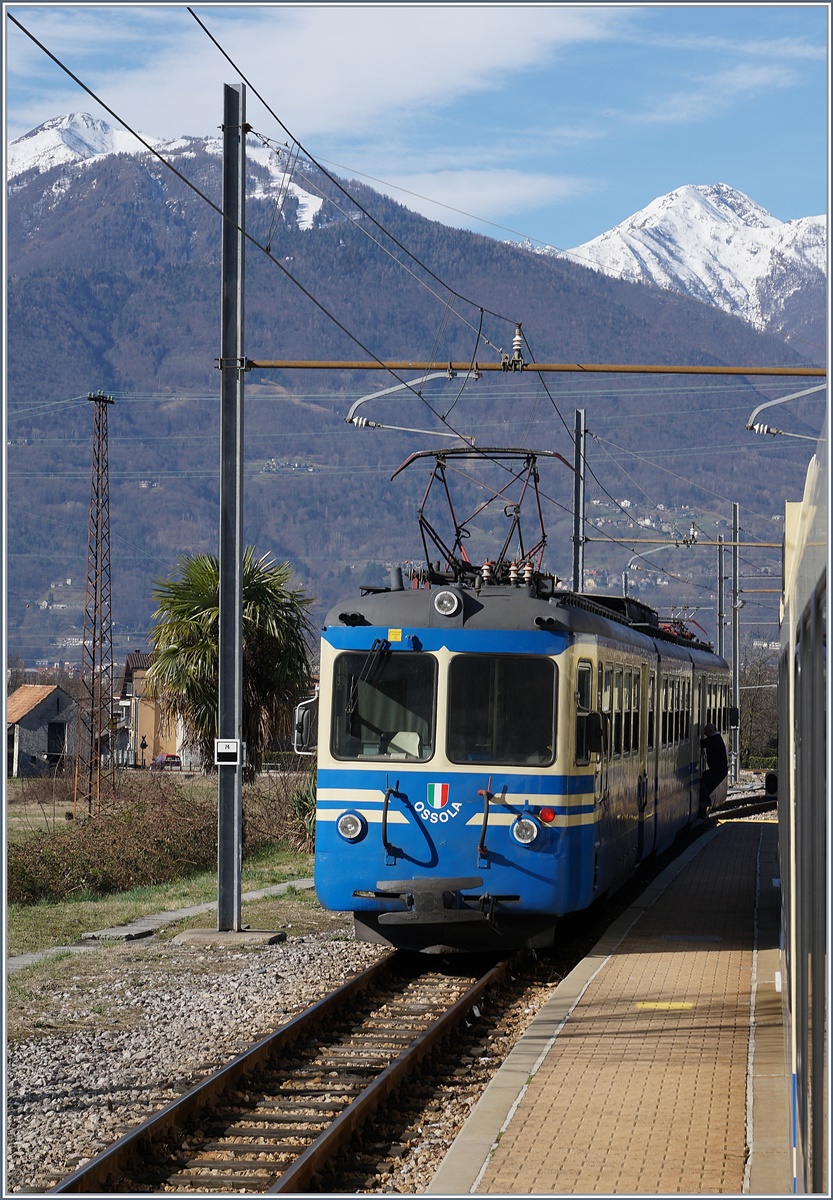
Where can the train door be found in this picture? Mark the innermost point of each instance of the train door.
(643, 718)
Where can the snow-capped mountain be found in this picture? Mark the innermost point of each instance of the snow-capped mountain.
(79, 139)
(708, 242)
(713, 243)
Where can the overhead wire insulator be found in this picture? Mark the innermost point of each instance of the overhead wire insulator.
(517, 350)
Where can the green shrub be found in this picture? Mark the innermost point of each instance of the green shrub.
(769, 763)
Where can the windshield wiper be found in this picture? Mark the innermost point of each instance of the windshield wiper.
(372, 666)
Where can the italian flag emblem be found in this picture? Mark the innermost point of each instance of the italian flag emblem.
(437, 795)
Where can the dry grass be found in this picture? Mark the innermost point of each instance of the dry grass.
(68, 992)
(33, 927)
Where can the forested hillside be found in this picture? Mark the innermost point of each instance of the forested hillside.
(115, 285)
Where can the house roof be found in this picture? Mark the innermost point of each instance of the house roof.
(138, 660)
(25, 698)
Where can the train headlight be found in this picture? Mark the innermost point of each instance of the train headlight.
(446, 603)
(351, 826)
(525, 831)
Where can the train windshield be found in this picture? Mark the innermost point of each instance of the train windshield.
(501, 709)
(383, 706)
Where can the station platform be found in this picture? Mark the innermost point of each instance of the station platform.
(659, 1066)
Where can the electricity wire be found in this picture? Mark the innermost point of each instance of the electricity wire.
(334, 180)
(249, 237)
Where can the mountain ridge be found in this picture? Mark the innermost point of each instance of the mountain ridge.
(114, 285)
(709, 242)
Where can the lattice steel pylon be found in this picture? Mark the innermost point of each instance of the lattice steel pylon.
(95, 770)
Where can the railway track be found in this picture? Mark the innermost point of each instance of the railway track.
(271, 1120)
(275, 1118)
(745, 806)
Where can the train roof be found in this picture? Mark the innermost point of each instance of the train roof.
(520, 607)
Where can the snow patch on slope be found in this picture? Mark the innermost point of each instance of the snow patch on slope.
(713, 243)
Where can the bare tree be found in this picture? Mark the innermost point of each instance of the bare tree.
(758, 699)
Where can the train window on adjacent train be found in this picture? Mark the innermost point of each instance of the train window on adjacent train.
(584, 701)
(627, 701)
(680, 709)
(501, 709)
(607, 691)
(383, 707)
(652, 680)
(687, 710)
(617, 711)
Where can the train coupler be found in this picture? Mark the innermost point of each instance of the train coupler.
(435, 900)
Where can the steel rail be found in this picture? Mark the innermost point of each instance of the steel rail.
(95, 1173)
(744, 806)
(296, 1177)
(118, 1159)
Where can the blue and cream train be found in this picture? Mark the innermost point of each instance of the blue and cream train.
(491, 758)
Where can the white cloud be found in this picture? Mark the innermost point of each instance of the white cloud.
(324, 69)
(713, 94)
(782, 48)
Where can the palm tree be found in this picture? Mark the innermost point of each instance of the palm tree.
(276, 651)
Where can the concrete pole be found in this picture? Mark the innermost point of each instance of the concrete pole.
(578, 504)
(721, 588)
(230, 714)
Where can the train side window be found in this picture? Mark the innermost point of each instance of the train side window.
(687, 710)
(678, 710)
(636, 712)
(664, 712)
(617, 711)
(652, 687)
(607, 691)
(501, 709)
(584, 700)
(384, 705)
(627, 701)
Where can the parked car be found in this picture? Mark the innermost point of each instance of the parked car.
(170, 762)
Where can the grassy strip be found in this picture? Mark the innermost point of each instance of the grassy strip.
(33, 927)
(68, 991)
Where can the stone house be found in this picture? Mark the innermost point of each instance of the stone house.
(42, 729)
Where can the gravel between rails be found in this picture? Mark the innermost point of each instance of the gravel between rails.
(162, 1010)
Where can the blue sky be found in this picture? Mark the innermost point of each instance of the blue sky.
(554, 122)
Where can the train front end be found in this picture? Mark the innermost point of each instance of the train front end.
(445, 818)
